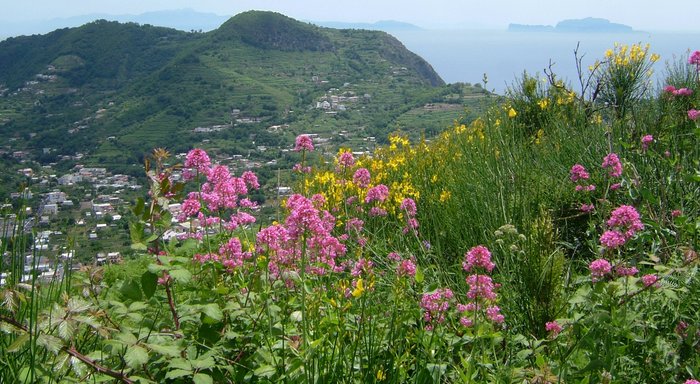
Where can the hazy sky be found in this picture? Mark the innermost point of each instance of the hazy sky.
(640, 14)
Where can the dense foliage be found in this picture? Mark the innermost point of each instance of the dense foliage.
(552, 240)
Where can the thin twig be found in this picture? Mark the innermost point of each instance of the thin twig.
(14, 322)
(97, 367)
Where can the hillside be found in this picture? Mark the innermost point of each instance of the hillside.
(113, 91)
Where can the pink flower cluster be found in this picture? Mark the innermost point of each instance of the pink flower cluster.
(692, 381)
(283, 243)
(578, 174)
(220, 193)
(553, 328)
(612, 162)
(482, 289)
(361, 178)
(408, 205)
(599, 268)
(622, 270)
(678, 92)
(650, 280)
(435, 306)
(646, 140)
(693, 114)
(303, 143)
(377, 193)
(624, 223)
(478, 257)
(694, 58)
(346, 159)
(199, 160)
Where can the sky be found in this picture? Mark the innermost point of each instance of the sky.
(673, 15)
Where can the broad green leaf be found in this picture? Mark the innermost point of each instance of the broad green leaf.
(265, 371)
(202, 378)
(419, 276)
(165, 350)
(203, 363)
(213, 311)
(175, 373)
(52, 343)
(149, 283)
(136, 356)
(181, 275)
(131, 289)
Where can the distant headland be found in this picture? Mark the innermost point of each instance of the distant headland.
(587, 25)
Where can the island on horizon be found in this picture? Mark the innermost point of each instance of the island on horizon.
(586, 25)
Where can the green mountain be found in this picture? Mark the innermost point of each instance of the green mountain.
(113, 91)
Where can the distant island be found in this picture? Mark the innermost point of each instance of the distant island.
(587, 25)
(383, 25)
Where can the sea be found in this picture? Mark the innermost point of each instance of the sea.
(503, 56)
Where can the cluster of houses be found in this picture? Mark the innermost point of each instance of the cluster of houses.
(332, 101)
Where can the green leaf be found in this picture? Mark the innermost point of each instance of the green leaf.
(149, 283)
(18, 343)
(52, 343)
(131, 289)
(165, 350)
(202, 378)
(181, 275)
(524, 354)
(175, 373)
(265, 371)
(136, 356)
(213, 311)
(139, 207)
(203, 363)
(419, 276)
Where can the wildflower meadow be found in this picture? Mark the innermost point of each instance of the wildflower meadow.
(552, 240)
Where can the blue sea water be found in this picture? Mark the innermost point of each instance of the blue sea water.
(466, 55)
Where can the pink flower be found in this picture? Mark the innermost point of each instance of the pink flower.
(621, 270)
(683, 92)
(599, 268)
(409, 206)
(250, 179)
(481, 287)
(612, 239)
(694, 59)
(586, 208)
(435, 305)
(615, 187)
(377, 211)
(646, 140)
(669, 89)
(198, 159)
(361, 178)
(394, 256)
(478, 256)
(406, 268)
(578, 172)
(693, 114)
(377, 193)
(494, 314)
(553, 328)
(692, 381)
(346, 159)
(303, 142)
(612, 161)
(649, 280)
(626, 218)
(676, 212)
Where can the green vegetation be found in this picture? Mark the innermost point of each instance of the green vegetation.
(551, 240)
(148, 86)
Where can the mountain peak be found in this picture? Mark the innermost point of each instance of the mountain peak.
(271, 30)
